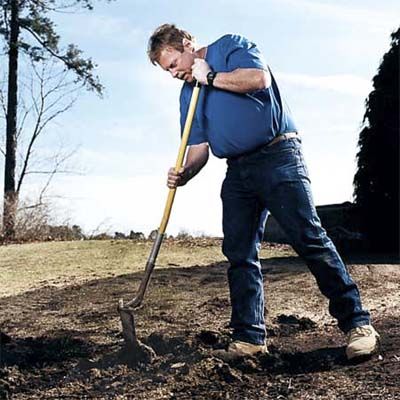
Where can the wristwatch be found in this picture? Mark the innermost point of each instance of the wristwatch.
(210, 78)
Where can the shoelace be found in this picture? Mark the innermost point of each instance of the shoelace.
(360, 331)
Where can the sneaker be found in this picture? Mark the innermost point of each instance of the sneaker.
(361, 341)
(238, 349)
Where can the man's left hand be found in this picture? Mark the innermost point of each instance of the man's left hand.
(200, 69)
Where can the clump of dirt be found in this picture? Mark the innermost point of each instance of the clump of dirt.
(215, 302)
(164, 343)
(292, 324)
(210, 338)
(227, 373)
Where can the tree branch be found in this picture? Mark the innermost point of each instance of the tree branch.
(86, 77)
(43, 117)
(62, 9)
(3, 103)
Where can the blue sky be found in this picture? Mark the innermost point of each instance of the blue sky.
(322, 53)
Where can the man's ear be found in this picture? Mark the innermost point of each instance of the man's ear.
(188, 45)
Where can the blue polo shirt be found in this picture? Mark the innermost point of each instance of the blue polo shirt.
(234, 123)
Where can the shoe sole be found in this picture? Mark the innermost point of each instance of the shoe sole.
(362, 354)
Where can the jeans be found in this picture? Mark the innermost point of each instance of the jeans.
(275, 179)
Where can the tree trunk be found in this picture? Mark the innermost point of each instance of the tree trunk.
(10, 194)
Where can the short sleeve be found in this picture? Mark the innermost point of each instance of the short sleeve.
(241, 53)
(197, 134)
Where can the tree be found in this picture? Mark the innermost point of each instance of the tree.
(376, 182)
(27, 29)
(44, 94)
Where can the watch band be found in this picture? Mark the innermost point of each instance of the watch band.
(210, 78)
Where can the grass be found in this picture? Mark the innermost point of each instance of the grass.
(25, 267)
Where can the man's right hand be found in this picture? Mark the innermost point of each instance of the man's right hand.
(196, 158)
(176, 179)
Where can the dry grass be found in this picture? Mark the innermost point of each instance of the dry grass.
(26, 267)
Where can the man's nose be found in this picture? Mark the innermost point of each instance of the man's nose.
(173, 72)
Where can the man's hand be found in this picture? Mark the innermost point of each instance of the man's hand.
(196, 158)
(176, 179)
(200, 69)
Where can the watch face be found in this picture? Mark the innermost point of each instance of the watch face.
(210, 77)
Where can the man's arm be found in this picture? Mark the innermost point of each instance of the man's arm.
(196, 159)
(241, 80)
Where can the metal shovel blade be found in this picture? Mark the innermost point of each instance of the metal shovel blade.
(128, 324)
(136, 350)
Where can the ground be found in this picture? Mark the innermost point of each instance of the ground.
(61, 336)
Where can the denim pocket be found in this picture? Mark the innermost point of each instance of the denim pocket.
(280, 153)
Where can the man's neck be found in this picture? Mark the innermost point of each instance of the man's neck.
(201, 53)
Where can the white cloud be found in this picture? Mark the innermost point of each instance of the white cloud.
(342, 83)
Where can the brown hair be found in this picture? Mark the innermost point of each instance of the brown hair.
(164, 36)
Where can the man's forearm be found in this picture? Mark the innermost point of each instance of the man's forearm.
(243, 80)
(193, 168)
(196, 159)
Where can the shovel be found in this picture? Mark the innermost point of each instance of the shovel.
(137, 350)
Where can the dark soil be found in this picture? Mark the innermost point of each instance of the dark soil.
(67, 343)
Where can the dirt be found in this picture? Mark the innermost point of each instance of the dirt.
(66, 343)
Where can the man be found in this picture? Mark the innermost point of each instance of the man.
(242, 117)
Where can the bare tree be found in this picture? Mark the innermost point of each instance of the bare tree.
(48, 92)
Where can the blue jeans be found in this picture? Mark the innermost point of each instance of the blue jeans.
(275, 179)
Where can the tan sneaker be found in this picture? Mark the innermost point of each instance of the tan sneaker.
(239, 349)
(361, 341)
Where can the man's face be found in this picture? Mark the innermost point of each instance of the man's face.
(178, 64)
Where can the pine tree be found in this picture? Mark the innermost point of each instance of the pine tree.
(376, 182)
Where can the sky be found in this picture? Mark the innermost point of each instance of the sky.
(322, 53)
